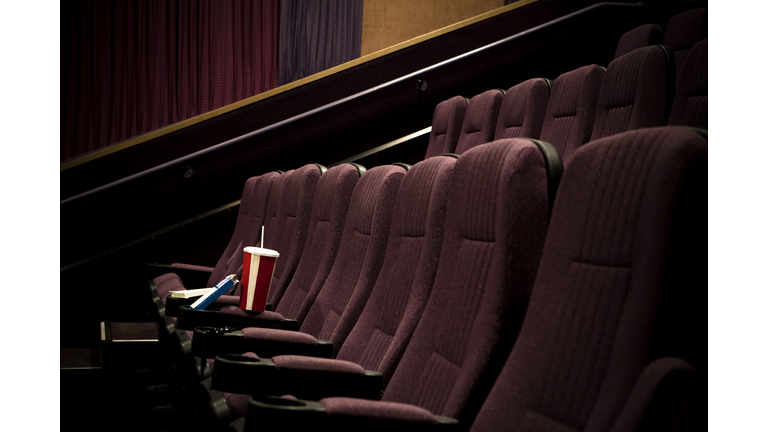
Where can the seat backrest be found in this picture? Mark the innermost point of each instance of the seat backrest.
(641, 36)
(621, 289)
(480, 119)
(690, 107)
(287, 231)
(329, 213)
(495, 227)
(522, 111)
(358, 262)
(634, 93)
(250, 218)
(683, 31)
(571, 110)
(446, 126)
(397, 300)
(271, 218)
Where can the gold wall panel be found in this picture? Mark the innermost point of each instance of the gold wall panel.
(390, 22)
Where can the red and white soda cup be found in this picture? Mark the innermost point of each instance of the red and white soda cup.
(258, 268)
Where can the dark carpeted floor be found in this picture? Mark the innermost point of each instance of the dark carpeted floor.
(121, 399)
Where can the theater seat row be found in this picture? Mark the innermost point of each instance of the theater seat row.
(296, 301)
(469, 210)
(505, 226)
(283, 204)
(614, 300)
(646, 85)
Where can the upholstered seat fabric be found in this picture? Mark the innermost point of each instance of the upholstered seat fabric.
(641, 36)
(620, 284)
(571, 110)
(683, 31)
(690, 106)
(250, 218)
(495, 227)
(479, 124)
(329, 214)
(634, 92)
(522, 112)
(446, 126)
(358, 262)
(385, 326)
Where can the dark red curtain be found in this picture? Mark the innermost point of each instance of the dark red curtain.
(132, 66)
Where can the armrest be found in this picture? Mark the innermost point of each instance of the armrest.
(339, 414)
(304, 377)
(208, 342)
(231, 316)
(192, 275)
(172, 304)
(166, 268)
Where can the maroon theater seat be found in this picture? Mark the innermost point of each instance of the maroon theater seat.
(250, 218)
(329, 215)
(571, 110)
(634, 93)
(257, 194)
(326, 222)
(385, 325)
(285, 230)
(363, 244)
(614, 338)
(683, 32)
(496, 222)
(341, 297)
(293, 225)
(383, 329)
(495, 227)
(621, 296)
(689, 107)
(446, 126)
(522, 113)
(479, 124)
(286, 224)
(639, 37)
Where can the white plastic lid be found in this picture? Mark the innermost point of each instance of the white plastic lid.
(261, 251)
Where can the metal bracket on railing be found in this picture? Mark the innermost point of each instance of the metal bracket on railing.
(187, 171)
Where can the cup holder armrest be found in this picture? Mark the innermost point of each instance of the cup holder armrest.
(189, 319)
(207, 343)
(260, 376)
(272, 412)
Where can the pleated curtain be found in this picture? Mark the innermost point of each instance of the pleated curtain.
(133, 66)
(318, 34)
